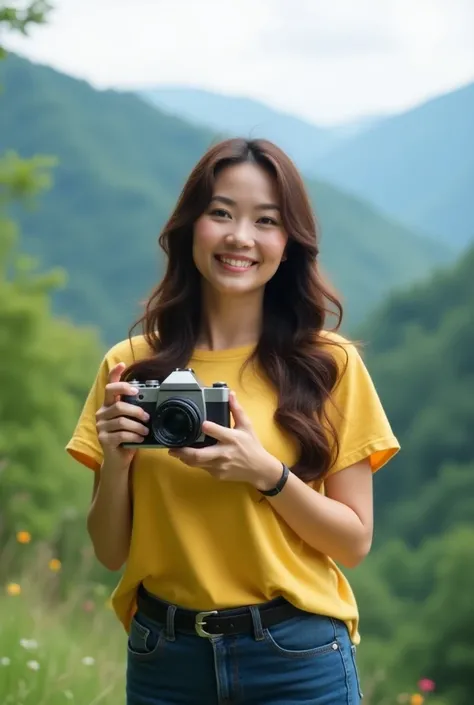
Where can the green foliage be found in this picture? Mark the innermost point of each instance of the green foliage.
(20, 19)
(415, 592)
(48, 368)
(121, 166)
(420, 355)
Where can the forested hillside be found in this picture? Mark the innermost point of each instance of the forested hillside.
(420, 350)
(415, 590)
(121, 164)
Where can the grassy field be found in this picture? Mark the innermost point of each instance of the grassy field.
(58, 646)
(48, 656)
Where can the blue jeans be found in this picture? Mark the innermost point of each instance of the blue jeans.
(307, 659)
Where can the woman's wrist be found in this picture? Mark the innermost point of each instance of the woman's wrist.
(270, 473)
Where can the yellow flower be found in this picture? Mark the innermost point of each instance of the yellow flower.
(23, 537)
(417, 699)
(108, 604)
(13, 589)
(54, 565)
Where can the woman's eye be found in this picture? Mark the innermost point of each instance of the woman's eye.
(266, 220)
(220, 213)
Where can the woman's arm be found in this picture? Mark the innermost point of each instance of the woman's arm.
(339, 524)
(109, 521)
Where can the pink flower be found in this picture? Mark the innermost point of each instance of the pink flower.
(426, 685)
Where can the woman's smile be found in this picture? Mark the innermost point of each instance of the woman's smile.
(237, 264)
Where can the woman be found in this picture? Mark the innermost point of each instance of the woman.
(231, 590)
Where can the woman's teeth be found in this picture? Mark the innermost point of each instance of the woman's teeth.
(244, 264)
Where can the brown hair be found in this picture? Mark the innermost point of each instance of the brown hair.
(292, 349)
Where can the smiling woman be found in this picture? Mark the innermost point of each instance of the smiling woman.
(231, 547)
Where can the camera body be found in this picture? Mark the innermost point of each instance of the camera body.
(177, 408)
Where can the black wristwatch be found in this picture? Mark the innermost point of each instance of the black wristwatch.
(280, 484)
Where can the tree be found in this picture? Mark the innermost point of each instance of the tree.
(46, 363)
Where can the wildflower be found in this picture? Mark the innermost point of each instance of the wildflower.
(54, 565)
(88, 660)
(29, 644)
(426, 685)
(88, 606)
(23, 537)
(13, 589)
(5, 661)
(417, 699)
(33, 665)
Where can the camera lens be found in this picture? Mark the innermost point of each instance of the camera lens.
(177, 423)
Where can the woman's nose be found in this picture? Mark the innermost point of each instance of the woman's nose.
(241, 235)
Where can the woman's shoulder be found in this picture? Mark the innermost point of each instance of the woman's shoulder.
(128, 351)
(341, 347)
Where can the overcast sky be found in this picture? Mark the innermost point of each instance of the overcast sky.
(326, 60)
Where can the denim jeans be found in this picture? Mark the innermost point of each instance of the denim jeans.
(307, 659)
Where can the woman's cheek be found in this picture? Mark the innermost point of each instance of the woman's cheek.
(206, 233)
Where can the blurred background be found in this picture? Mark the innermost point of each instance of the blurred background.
(105, 106)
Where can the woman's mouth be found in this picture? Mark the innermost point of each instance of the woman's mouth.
(235, 264)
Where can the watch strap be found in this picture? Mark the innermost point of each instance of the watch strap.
(280, 484)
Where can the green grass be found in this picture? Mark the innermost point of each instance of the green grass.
(56, 651)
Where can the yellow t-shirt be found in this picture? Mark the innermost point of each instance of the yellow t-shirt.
(207, 544)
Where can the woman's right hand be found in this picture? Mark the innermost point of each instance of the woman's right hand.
(113, 426)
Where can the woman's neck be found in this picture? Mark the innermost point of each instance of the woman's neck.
(230, 322)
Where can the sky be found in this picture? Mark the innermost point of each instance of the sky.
(329, 61)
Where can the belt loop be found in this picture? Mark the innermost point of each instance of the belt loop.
(257, 623)
(169, 632)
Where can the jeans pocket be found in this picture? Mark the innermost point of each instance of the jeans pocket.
(145, 639)
(303, 637)
(356, 670)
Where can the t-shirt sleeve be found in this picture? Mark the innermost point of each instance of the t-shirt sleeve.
(84, 444)
(358, 416)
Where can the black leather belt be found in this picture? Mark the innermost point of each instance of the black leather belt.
(216, 622)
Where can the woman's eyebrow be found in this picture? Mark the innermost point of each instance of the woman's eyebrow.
(230, 202)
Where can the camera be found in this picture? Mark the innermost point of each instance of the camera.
(177, 408)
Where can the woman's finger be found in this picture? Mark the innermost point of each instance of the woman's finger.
(120, 423)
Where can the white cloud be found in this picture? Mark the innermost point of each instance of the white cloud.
(325, 61)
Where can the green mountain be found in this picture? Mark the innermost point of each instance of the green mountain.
(420, 352)
(121, 166)
(238, 116)
(417, 166)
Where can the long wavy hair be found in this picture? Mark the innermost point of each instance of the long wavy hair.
(292, 348)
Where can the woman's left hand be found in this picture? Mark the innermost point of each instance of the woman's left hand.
(237, 456)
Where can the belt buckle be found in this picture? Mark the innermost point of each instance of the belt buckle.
(200, 621)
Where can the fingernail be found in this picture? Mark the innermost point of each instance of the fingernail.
(146, 416)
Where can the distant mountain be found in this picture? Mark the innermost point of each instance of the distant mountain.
(244, 117)
(122, 165)
(417, 166)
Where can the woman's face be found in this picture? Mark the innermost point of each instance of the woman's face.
(239, 241)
